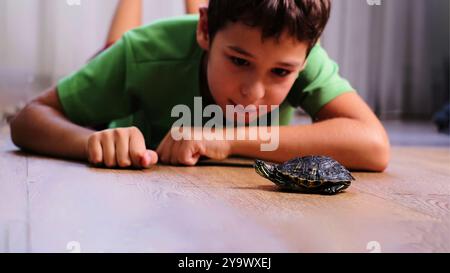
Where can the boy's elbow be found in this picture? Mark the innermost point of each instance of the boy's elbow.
(379, 154)
(14, 126)
(18, 126)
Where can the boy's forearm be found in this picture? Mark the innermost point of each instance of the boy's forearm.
(354, 144)
(128, 15)
(42, 129)
(192, 6)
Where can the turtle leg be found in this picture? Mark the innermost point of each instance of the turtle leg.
(334, 189)
(289, 185)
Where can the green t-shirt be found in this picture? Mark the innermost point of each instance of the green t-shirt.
(139, 79)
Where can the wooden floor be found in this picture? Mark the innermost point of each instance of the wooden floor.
(52, 205)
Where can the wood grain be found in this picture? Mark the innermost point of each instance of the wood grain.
(14, 230)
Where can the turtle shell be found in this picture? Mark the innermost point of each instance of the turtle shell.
(309, 174)
(314, 170)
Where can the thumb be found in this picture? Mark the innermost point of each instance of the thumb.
(194, 154)
(148, 158)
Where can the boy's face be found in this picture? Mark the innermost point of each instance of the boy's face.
(243, 69)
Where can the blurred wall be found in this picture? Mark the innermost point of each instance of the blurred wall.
(396, 54)
(51, 38)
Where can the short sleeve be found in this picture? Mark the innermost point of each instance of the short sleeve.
(318, 84)
(97, 93)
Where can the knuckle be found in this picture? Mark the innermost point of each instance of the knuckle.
(124, 163)
(134, 154)
(92, 154)
(184, 158)
(133, 129)
(187, 161)
(103, 135)
(97, 160)
(110, 164)
(120, 133)
(94, 137)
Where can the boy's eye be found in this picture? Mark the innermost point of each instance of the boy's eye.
(239, 61)
(281, 72)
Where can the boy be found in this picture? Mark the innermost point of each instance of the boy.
(248, 52)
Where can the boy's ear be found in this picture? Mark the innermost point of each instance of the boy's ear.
(202, 29)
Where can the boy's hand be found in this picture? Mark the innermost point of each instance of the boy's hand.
(188, 151)
(120, 147)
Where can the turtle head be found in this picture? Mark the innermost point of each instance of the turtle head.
(264, 169)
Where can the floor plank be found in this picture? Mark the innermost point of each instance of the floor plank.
(14, 230)
(417, 178)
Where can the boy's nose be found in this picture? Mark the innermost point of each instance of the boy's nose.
(252, 93)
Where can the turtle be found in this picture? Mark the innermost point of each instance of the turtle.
(308, 174)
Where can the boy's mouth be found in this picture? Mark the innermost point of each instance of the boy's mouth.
(239, 108)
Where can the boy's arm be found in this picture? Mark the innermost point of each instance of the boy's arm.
(345, 129)
(42, 127)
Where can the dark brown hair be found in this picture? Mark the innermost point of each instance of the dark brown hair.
(303, 19)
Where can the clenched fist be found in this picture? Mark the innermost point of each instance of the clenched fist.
(187, 151)
(120, 147)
